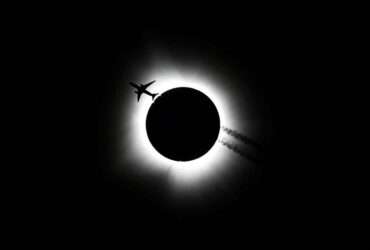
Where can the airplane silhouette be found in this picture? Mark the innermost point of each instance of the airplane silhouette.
(142, 89)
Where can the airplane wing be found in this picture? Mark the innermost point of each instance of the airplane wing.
(133, 85)
(148, 84)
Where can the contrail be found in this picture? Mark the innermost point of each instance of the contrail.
(240, 152)
(242, 138)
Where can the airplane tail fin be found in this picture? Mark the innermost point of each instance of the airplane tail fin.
(154, 95)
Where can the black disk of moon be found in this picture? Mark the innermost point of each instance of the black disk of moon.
(182, 124)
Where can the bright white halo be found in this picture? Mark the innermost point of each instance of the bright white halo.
(182, 174)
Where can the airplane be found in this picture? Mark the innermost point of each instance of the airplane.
(142, 89)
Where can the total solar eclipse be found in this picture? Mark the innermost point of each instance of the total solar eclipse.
(182, 124)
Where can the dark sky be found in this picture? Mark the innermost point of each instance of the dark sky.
(275, 54)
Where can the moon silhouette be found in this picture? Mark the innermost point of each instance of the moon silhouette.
(183, 124)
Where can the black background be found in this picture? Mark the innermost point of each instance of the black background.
(272, 50)
(283, 53)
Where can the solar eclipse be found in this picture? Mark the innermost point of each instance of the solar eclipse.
(179, 139)
(196, 168)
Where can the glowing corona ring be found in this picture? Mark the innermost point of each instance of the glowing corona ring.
(138, 146)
